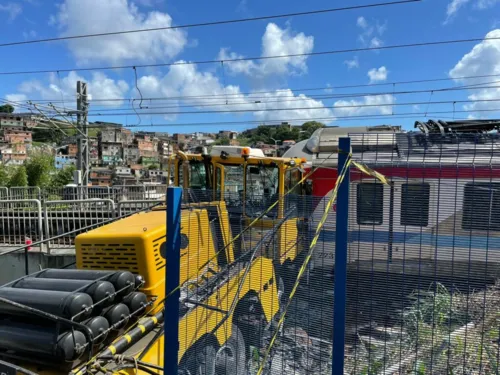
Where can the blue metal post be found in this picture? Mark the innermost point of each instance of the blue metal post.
(339, 309)
(172, 255)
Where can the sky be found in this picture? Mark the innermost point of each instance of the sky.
(243, 94)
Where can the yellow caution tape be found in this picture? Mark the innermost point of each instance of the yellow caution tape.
(367, 170)
(307, 259)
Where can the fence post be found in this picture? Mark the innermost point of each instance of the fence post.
(341, 238)
(172, 294)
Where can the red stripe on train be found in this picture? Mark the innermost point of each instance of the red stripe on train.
(324, 178)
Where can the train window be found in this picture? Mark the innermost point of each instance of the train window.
(481, 209)
(415, 205)
(370, 204)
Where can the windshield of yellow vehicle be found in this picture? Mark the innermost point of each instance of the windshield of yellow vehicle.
(262, 182)
(198, 175)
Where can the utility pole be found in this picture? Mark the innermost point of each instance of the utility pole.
(82, 107)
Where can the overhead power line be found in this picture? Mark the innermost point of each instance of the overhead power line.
(209, 23)
(221, 124)
(239, 59)
(295, 99)
(252, 95)
(340, 107)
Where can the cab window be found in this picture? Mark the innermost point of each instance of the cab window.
(262, 184)
(233, 185)
(197, 176)
(292, 179)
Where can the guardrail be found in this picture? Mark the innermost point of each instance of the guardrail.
(20, 221)
(23, 192)
(65, 216)
(25, 220)
(117, 192)
(128, 207)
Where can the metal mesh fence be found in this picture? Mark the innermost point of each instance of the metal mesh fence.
(422, 285)
(238, 267)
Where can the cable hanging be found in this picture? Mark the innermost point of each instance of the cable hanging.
(256, 58)
(210, 23)
(304, 89)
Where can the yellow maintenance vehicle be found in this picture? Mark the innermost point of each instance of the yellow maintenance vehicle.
(106, 315)
(251, 185)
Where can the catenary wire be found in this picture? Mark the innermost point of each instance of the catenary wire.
(256, 58)
(215, 96)
(210, 23)
(403, 115)
(340, 107)
(323, 97)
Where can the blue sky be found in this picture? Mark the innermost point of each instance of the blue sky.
(280, 82)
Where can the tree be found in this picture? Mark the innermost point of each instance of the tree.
(309, 127)
(153, 166)
(63, 176)
(39, 168)
(19, 177)
(4, 175)
(6, 108)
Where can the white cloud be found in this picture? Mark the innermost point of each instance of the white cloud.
(12, 9)
(376, 43)
(296, 107)
(77, 17)
(354, 63)
(275, 42)
(483, 4)
(371, 32)
(17, 101)
(455, 5)
(378, 75)
(361, 22)
(369, 105)
(483, 59)
(99, 87)
(236, 67)
(199, 89)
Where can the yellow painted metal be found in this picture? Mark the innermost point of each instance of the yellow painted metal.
(200, 320)
(288, 235)
(135, 244)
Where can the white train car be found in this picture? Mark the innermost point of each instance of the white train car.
(443, 202)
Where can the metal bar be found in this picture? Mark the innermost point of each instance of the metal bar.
(173, 251)
(340, 287)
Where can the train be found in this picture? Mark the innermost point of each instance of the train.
(442, 202)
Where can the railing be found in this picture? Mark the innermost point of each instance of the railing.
(20, 221)
(66, 216)
(128, 207)
(21, 192)
(117, 192)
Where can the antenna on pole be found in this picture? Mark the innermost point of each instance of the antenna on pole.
(82, 107)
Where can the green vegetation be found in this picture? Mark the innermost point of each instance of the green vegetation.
(54, 135)
(440, 332)
(38, 168)
(19, 177)
(62, 177)
(6, 108)
(39, 171)
(270, 134)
